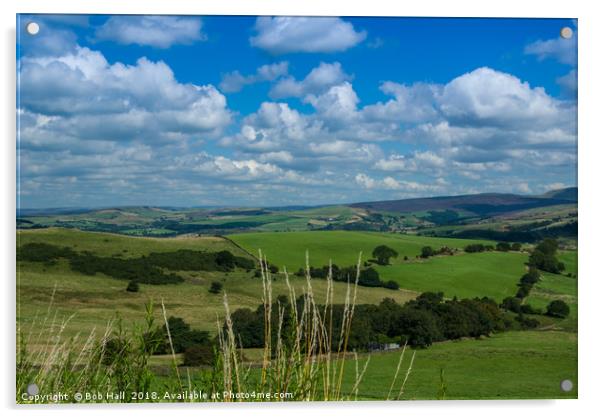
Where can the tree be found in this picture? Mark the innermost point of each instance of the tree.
(391, 284)
(427, 252)
(558, 309)
(182, 336)
(225, 260)
(502, 246)
(248, 328)
(544, 258)
(370, 278)
(132, 286)
(511, 304)
(526, 322)
(418, 327)
(216, 287)
(383, 254)
(199, 355)
(475, 248)
(516, 246)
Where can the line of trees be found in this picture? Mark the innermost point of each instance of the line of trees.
(429, 251)
(148, 269)
(420, 322)
(543, 257)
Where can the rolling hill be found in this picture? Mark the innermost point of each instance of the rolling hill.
(405, 216)
(483, 204)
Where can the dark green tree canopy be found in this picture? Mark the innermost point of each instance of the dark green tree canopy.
(383, 254)
(216, 287)
(558, 308)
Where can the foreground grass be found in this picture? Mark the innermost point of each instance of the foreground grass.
(304, 362)
(509, 365)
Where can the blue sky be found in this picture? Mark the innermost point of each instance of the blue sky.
(247, 111)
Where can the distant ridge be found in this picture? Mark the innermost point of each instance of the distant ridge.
(570, 193)
(484, 204)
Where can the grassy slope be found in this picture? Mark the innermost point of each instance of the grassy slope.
(557, 286)
(343, 247)
(509, 365)
(492, 274)
(95, 299)
(105, 244)
(518, 364)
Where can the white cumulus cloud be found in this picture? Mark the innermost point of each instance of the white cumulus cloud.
(319, 80)
(155, 31)
(560, 49)
(235, 81)
(281, 35)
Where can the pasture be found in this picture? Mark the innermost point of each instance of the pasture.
(287, 249)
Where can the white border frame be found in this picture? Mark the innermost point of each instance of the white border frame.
(590, 29)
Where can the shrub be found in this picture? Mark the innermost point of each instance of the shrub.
(502, 246)
(527, 323)
(182, 336)
(216, 287)
(474, 248)
(199, 355)
(427, 252)
(391, 284)
(133, 286)
(370, 278)
(558, 309)
(114, 349)
(528, 309)
(523, 291)
(516, 246)
(42, 252)
(512, 304)
(248, 327)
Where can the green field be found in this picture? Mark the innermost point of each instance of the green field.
(105, 244)
(95, 299)
(492, 274)
(509, 365)
(513, 364)
(516, 364)
(342, 247)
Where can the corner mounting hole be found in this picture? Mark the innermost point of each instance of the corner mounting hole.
(566, 33)
(566, 385)
(32, 28)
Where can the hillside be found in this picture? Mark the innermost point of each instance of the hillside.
(570, 193)
(409, 215)
(484, 204)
